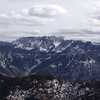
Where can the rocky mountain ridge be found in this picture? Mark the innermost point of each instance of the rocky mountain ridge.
(50, 56)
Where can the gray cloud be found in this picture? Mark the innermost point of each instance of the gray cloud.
(36, 15)
(46, 10)
(94, 17)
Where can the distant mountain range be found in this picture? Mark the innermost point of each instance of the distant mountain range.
(50, 56)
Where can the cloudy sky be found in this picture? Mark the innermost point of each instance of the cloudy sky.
(74, 19)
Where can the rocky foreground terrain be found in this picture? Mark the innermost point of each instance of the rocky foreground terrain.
(39, 88)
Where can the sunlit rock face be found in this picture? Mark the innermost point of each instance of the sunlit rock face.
(50, 56)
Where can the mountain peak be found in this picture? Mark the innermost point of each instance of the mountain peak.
(41, 43)
(67, 59)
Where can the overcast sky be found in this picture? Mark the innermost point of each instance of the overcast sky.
(71, 18)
